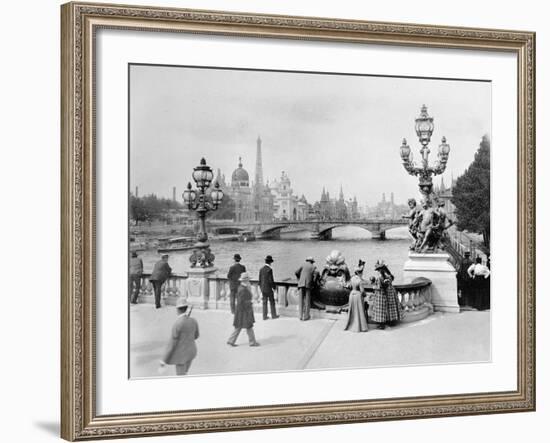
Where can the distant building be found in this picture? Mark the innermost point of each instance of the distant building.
(336, 209)
(288, 206)
(253, 201)
(445, 193)
(387, 209)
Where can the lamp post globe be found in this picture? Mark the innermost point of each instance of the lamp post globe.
(216, 195)
(424, 125)
(405, 150)
(203, 175)
(444, 148)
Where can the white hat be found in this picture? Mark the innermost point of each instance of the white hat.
(182, 304)
(244, 276)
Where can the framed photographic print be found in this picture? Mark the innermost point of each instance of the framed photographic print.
(282, 221)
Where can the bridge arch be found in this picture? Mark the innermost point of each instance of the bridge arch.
(378, 230)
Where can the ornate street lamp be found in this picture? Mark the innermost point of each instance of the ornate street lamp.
(424, 125)
(198, 200)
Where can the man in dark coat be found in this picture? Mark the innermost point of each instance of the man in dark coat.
(306, 276)
(464, 281)
(181, 348)
(267, 286)
(161, 273)
(244, 313)
(136, 269)
(233, 276)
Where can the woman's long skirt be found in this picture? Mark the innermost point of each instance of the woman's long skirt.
(386, 306)
(481, 292)
(357, 321)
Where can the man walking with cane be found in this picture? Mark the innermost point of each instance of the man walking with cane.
(267, 286)
(244, 313)
(181, 349)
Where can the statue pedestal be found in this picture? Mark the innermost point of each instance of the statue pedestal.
(437, 268)
(197, 287)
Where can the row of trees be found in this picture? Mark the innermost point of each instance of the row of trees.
(472, 194)
(150, 207)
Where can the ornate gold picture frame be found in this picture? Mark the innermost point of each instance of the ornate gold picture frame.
(80, 22)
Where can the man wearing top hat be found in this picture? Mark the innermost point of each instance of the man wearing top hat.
(161, 273)
(181, 348)
(233, 276)
(306, 276)
(244, 313)
(267, 286)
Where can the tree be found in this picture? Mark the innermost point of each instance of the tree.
(138, 211)
(472, 192)
(226, 210)
(150, 207)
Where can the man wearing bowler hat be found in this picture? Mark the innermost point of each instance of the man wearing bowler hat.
(306, 276)
(233, 276)
(181, 348)
(267, 286)
(244, 313)
(161, 273)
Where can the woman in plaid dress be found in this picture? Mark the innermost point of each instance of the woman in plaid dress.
(386, 308)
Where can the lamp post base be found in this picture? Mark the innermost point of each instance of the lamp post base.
(197, 288)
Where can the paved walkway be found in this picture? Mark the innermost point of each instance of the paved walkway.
(288, 344)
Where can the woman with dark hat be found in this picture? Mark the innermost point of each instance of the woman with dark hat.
(244, 313)
(386, 308)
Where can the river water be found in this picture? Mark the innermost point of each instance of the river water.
(290, 251)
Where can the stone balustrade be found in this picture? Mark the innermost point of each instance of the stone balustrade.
(415, 297)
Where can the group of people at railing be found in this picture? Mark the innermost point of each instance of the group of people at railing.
(385, 306)
(160, 274)
(383, 303)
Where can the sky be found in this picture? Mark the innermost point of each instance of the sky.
(326, 130)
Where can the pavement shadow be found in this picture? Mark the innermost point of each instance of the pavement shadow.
(50, 427)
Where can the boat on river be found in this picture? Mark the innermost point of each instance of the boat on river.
(176, 244)
(247, 236)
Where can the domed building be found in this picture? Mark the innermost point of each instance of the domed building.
(241, 193)
(253, 201)
(240, 177)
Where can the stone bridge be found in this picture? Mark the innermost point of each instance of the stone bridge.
(320, 229)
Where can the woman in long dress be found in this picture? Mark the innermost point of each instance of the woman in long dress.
(386, 309)
(357, 321)
(481, 285)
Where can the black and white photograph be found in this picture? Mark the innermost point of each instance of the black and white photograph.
(294, 221)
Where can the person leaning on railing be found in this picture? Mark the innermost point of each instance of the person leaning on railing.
(161, 273)
(136, 271)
